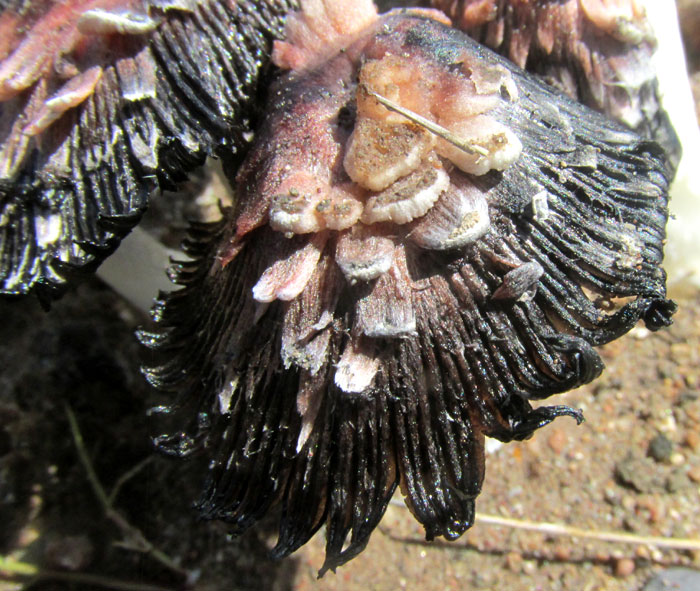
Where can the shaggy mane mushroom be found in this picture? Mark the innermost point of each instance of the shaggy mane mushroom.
(425, 237)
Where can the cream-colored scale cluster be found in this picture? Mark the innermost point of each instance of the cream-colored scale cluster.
(400, 170)
(398, 177)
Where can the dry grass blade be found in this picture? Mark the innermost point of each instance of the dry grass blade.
(558, 529)
(431, 126)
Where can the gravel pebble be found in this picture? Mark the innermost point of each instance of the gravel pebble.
(694, 474)
(557, 440)
(529, 567)
(514, 561)
(676, 481)
(674, 579)
(624, 567)
(661, 448)
(641, 474)
(692, 440)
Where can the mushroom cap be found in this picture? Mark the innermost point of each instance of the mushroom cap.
(101, 103)
(380, 353)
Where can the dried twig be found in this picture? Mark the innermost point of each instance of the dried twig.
(128, 475)
(134, 538)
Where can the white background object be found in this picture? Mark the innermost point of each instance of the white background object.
(683, 246)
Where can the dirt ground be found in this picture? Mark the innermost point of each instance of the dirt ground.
(633, 466)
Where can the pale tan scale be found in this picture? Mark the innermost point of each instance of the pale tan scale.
(71, 94)
(98, 21)
(408, 198)
(364, 257)
(356, 368)
(501, 145)
(460, 217)
(380, 153)
(286, 279)
(387, 311)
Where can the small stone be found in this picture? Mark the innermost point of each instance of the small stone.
(692, 440)
(654, 509)
(677, 459)
(641, 474)
(676, 481)
(628, 503)
(660, 448)
(557, 441)
(514, 561)
(694, 474)
(624, 567)
(529, 567)
(642, 552)
(676, 579)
